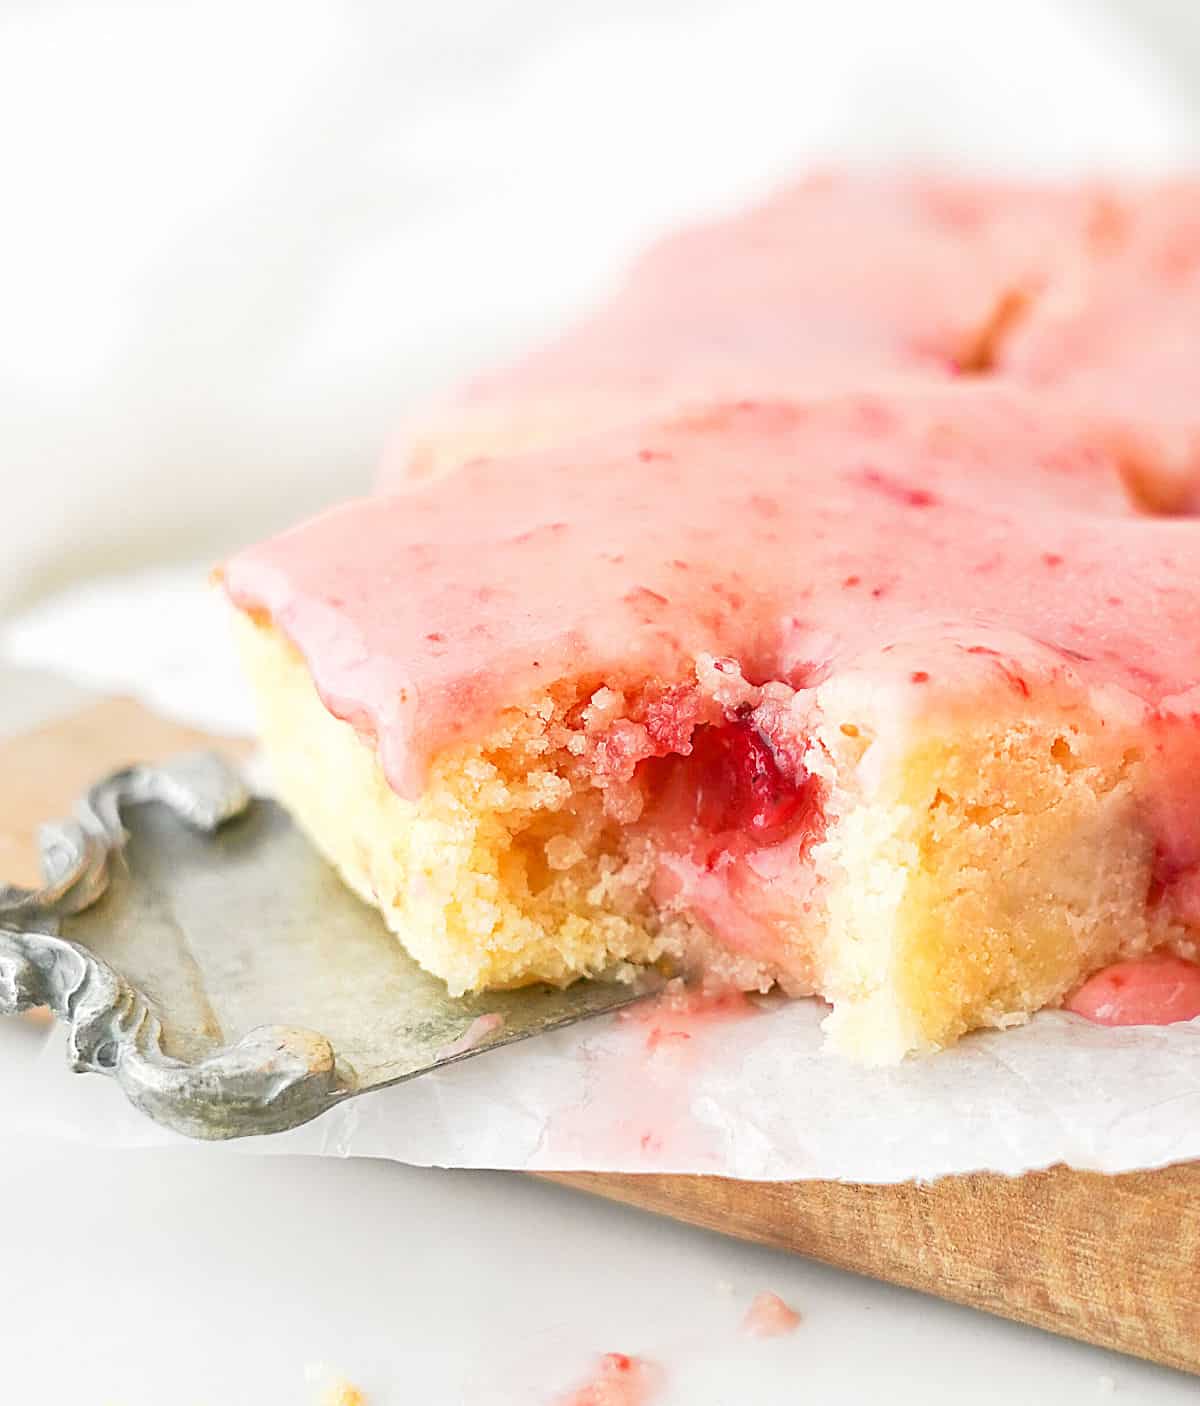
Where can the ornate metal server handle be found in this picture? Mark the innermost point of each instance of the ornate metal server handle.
(273, 1078)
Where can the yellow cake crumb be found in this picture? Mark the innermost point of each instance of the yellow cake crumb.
(505, 872)
(343, 1393)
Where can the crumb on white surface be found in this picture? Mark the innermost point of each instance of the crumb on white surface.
(343, 1393)
(1107, 1385)
(769, 1316)
(334, 1389)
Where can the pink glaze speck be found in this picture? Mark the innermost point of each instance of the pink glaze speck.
(1157, 990)
(618, 1380)
(479, 1030)
(769, 1317)
(676, 1014)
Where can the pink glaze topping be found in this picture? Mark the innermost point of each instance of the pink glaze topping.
(840, 278)
(1158, 990)
(949, 541)
(1090, 293)
(618, 1380)
(769, 1317)
(841, 272)
(1118, 341)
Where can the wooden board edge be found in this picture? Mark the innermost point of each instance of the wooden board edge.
(1109, 1260)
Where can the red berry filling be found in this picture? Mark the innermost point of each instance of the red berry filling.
(738, 782)
(731, 783)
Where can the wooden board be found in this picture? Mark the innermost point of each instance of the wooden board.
(1111, 1260)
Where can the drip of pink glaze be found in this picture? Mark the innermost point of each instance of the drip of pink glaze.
(473, 1036)
(1176, 815)
(769, 1317)
(618, 1380)
(639, 1095)
(1157, 990)
(679, 1011)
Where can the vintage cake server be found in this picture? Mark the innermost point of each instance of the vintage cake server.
(207, 958)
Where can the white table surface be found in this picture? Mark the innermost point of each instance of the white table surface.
(194, 1278)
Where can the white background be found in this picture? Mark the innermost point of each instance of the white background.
(240, 242)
